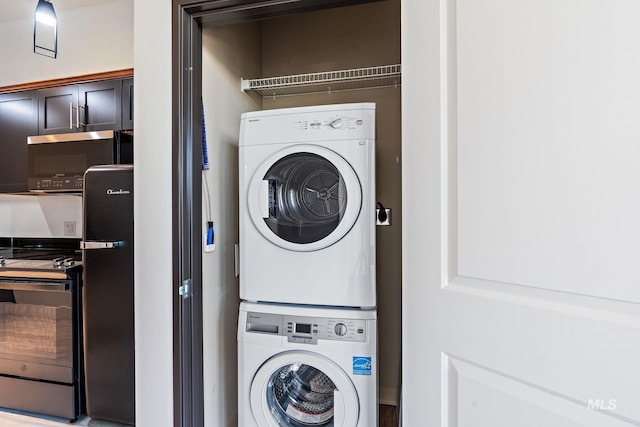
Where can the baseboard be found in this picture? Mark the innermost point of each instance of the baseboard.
(388, 396)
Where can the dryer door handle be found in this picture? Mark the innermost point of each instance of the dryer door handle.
(263, 198)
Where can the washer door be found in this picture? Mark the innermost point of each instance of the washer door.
(302, 389)
(304, 198)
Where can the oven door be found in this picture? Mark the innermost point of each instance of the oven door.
(36, 330)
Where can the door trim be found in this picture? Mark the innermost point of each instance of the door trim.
(188, 17)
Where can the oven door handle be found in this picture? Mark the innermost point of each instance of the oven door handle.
(34, 286)
(100, 245)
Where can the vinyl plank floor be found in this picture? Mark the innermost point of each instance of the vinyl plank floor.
(13, 418)
(388, 416)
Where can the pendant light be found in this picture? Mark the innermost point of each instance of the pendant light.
(45, 30)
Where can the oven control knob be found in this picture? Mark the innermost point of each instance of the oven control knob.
(341, 329)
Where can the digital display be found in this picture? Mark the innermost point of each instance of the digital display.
(303, 328)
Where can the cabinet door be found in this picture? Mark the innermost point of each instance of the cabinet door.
(57, 110)
(127, 104)
(101, 105)
(18, 120)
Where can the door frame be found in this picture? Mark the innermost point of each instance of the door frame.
(188, 18)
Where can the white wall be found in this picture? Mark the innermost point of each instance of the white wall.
(91, 39)
(41, 216)
(152, 214)
(420, 123)
(223, 104)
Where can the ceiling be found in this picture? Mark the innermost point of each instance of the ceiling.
(15, 10)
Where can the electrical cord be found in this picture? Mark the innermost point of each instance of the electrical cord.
(207, 195)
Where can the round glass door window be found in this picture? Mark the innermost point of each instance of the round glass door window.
(300, 388)
(305, 198)
(300, 395)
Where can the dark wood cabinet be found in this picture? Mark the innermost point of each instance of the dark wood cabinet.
(100, 106)
(57, 110)
(78, 107)
(84, 107)
(127, 104)
(18, 120)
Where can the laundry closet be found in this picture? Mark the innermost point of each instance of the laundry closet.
(361, 39)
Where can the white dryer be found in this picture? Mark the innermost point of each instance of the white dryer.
(304, 366)
(307, 205)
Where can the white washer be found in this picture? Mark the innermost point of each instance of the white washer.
(307, 205)
(304, 366)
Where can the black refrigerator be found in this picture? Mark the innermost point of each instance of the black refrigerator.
(107, 251)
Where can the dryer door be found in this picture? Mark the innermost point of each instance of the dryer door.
(303, 389)
(304, 198)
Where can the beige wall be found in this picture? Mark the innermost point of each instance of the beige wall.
(228, 52)
(352, 37)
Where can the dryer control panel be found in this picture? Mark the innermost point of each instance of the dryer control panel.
(307, 330)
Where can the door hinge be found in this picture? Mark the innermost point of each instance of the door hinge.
(185, 289)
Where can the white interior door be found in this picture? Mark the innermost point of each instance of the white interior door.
(521, 148)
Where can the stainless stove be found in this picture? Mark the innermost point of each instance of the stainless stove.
(41, 364)
(56, 265)
(40, 248)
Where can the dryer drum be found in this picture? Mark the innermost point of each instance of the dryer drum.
(301, 395)
(307, 197)
(323, 194)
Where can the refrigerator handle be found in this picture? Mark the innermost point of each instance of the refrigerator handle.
(100, 245)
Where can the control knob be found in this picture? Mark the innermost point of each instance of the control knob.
(337, 123)
(341, 329)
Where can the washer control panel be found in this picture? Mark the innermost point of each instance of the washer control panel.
(307, 330)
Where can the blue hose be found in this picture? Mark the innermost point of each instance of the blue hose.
(205, 154)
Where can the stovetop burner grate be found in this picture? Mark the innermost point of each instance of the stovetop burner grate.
(40, 249)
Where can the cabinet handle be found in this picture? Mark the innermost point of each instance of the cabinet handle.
(84, 108)
(77, 108)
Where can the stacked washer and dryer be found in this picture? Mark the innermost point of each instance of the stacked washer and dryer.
(307, 332)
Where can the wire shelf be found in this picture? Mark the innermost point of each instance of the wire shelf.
(326, 82)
